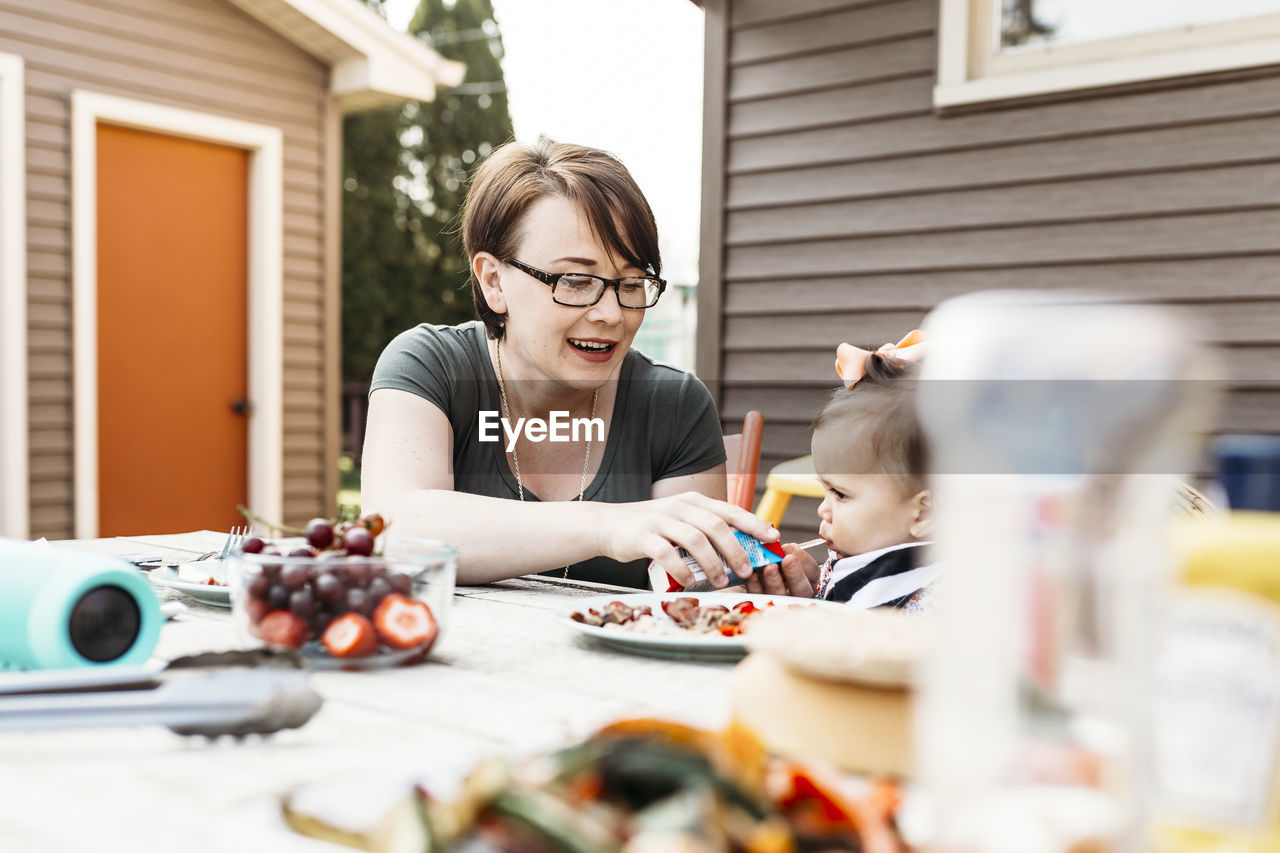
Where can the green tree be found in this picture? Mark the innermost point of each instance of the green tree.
(404, 176)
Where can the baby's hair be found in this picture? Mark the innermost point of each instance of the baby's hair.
(880, 410)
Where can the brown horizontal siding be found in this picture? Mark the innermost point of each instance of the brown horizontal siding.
(1170, 236)
(746, 13)
(850, 208)
(838, 29)
(1137, 152)
(202, 55)
(834, 106)
(171, 24)
(907, 57)
(55, 41)
(1180, 107)
(1241, 277)
(1231, 188)
(1242, 324)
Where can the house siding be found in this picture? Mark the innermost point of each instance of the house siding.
(203, 55)
(849, 208)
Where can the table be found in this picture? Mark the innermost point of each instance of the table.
(504, 676)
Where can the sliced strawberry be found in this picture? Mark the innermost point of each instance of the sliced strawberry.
(350, 636)
(282, 629)
(405, 623)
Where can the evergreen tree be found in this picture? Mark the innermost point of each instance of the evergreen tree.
(405, 171)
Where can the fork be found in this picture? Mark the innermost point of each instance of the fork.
(234, 538)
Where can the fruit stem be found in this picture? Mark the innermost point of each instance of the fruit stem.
(253, 518)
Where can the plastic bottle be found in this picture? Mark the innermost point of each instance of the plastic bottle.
(1057, 427)
(1217, 687)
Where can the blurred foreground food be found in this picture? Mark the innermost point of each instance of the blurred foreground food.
(637, 785)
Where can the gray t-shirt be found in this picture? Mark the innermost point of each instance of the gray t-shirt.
(664, 425)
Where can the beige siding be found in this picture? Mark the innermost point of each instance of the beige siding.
(849, 208)
(203, 55)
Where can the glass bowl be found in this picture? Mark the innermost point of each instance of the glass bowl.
(345, 612)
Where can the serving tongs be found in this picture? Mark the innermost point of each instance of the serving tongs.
(219, 693)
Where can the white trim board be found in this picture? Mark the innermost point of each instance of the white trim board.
(372, 63)
(14, 468)
(264, 144)
(972, 70)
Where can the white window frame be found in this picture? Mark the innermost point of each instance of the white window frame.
(266, 245)
(14, 469)
(972, 69)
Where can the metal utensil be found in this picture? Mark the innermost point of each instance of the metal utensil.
(207, 695)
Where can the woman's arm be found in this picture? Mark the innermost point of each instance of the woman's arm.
(713, 483)
(406, 477)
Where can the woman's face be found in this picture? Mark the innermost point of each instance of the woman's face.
(579, 347)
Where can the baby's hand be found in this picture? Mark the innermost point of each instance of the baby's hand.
(796, 576)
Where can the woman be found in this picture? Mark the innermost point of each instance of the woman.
(563, 252)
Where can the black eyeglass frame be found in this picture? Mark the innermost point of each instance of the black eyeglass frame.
(553, 278)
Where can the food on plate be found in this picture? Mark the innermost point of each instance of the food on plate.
(683, 614)
(635, 785)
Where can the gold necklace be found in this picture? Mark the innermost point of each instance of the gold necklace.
(515, 455)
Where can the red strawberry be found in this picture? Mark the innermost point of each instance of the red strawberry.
(255, 609)
(282, 629)
(350, 636)
(405, 623)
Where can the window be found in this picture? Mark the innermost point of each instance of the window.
(1002, 49)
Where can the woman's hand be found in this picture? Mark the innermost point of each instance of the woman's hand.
(797, 575)
(699, 524)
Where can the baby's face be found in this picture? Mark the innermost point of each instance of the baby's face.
(861, 512)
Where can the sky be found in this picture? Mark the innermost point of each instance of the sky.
(622, 75)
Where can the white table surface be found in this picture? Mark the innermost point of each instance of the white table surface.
(504, 676)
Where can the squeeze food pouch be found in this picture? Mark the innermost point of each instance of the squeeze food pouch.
(759, 554)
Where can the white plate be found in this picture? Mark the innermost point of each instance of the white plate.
(685, 645)
(215, 596)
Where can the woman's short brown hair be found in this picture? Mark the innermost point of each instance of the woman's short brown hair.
(516, 175)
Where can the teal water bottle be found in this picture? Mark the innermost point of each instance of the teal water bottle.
(61, 609)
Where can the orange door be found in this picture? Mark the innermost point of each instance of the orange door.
(172, 332)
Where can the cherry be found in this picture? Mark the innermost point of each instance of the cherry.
(259, 585)
(295, 576)
(372, 522)
(319, 534)
(278, 597)
(252, 545)
(359, 542)
(379, 588)
(358, 601)
(401, 583)
(327, 587)
(301, 603)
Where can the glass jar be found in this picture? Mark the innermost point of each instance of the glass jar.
(345, 612)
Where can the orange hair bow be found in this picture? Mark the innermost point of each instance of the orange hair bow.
(851, 362)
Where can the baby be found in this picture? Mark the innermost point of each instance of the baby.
(869, 454)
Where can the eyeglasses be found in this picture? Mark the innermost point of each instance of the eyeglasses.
(578, 290)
